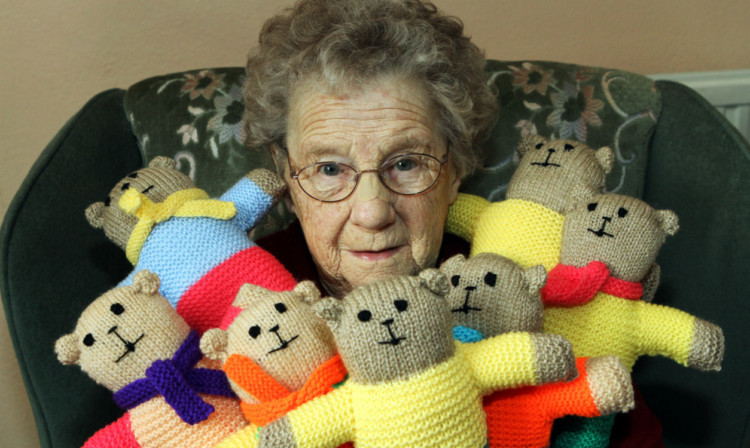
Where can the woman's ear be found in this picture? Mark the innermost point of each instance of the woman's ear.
(282, 169)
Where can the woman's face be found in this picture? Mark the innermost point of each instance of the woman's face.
(374, 233)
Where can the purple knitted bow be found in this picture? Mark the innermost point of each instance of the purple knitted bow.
(179, 382)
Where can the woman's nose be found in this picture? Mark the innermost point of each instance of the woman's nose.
(372, 207)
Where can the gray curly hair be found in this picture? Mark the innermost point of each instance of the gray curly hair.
(351, 42)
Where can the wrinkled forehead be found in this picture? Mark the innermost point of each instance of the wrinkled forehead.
(371, 120)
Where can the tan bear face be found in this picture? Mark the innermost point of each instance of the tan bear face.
(623, 232)
(278, 331)
(493, 295)
(157, 182)
(393, 328)
(123, 332)
(554, 173)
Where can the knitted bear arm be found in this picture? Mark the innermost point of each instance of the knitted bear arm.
(117, 434)
(502, 362)
(463, 215)
(665, 331)
(251, 201)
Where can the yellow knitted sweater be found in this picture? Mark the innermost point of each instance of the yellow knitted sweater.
(609, 325)
(441, 406)
(523, 231)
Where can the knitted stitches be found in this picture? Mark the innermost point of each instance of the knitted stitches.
(185, 251)
(523, 231)
(440, 406)
(609, 325)
(571, 286)
(275, 400)
(179, 382)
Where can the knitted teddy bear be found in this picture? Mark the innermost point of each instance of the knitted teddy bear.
(491, 295)
(131, 341)
(410, 384)
(198, 246)
(608, 246)
(551, 176)
(277, 354)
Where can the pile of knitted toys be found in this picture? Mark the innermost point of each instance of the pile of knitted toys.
(211, 342)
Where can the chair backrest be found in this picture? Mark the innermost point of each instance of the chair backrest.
(52, 264)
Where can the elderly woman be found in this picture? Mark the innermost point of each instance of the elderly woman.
(373, 111)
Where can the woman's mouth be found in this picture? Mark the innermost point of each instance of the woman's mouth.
(372, 255)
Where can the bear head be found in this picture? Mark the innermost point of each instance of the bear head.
(493, 295)
(278, 331)
(392, 328)
(620, 231)
(156, 181)
(558, 173)
(121, 333)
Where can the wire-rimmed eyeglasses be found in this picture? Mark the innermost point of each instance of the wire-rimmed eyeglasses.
(405, 174)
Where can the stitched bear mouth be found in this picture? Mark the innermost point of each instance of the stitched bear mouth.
(600, 233)
(546, 162)
(284, 343)
(129, 346)
(394, 341)
(465, 308)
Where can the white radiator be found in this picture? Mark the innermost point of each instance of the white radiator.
(728, 90)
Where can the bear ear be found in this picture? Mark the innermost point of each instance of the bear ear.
(578, 195)
(146, 282)
(434, 280)
(668, 221)
(250, 293)
(95, 214)
(528, 143)
(67, 350)
(453, 264)
(330, 310)
(606, 158)
(651, 282)
(536, 277)
(307, 291)
(214, 344)
(268, 181)
(162, 162)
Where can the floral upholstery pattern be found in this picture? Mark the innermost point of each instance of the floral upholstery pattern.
(196, 118)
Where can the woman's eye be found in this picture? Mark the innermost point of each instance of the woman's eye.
(330, 169)
(405, 164)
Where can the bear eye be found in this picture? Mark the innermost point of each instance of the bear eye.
(401, 305)
(568, 147)
(254, 331)
(280, 307)
(133, 175)
(88, 340)
(490, 279)
(592, 206)
(455, 279)
(539, 145)
(364, 315)
(125, 186)
(117, 309)
(622, 212)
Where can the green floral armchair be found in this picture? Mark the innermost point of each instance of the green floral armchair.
(672, 149)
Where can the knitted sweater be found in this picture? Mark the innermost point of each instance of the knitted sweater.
(523, 231)
(203, 261)
(440, 406)
(609, 325)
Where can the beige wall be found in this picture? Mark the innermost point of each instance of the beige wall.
(58, 54)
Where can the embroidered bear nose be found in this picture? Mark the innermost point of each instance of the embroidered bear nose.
(387, 322)
(274, 329)
(470, 288)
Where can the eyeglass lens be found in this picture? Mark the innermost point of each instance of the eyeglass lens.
(406, 174)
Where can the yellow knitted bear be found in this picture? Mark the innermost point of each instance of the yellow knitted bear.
(624, 234)
(410, 385)
(526, 226)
